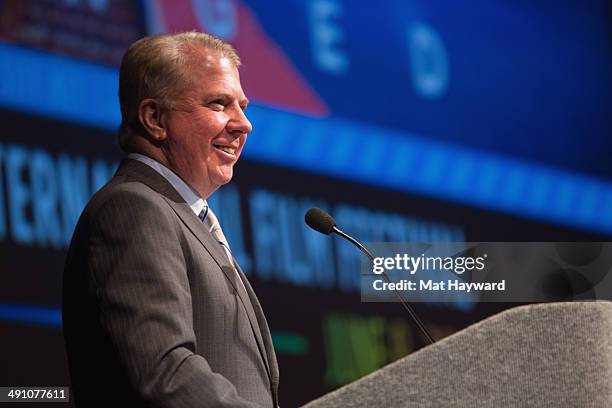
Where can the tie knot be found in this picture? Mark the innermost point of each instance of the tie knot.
(208, 218)
(203, 214)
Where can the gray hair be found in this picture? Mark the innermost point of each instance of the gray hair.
(157, 67)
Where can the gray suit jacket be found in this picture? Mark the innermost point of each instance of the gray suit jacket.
(153, 313)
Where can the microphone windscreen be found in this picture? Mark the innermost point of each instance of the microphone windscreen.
(320, 221)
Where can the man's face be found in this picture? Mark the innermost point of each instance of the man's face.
(207, 128)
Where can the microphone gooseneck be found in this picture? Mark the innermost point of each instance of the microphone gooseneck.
(354, 242)
(322, 222)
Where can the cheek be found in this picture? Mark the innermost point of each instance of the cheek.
(212, 122)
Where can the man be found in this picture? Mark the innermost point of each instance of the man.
(156, 311)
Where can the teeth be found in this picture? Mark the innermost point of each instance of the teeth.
(226, 149)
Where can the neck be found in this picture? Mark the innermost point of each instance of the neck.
(198, 184)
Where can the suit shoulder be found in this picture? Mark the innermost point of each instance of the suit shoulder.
(123, 196)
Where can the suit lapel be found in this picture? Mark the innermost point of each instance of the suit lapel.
(145, 174)
(265, 330)
(148, 176)
(193, 223)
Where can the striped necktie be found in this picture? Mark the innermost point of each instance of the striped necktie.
(208, 218)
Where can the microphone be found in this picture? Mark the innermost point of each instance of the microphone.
(321, 221)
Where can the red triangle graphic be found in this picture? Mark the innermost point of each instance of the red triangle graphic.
(268, 75)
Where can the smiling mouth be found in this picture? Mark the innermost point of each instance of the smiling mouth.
(226, 149)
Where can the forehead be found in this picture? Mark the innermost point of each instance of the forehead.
(212, 72)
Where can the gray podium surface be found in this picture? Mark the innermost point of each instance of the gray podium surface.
(544, 355)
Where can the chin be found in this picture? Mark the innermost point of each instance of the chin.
(223, 178)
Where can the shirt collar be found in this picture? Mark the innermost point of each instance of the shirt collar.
(193, 199)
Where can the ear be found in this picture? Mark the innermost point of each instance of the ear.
(150, 116)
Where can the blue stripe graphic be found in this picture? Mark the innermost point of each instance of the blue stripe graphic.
(85, 93)
(31, 314)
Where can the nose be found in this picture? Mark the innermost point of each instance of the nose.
(238, 123)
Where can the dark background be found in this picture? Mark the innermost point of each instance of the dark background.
(522, 110)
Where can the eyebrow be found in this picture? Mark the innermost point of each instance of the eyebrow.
(242, 102)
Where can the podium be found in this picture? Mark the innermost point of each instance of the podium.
(541, 355)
